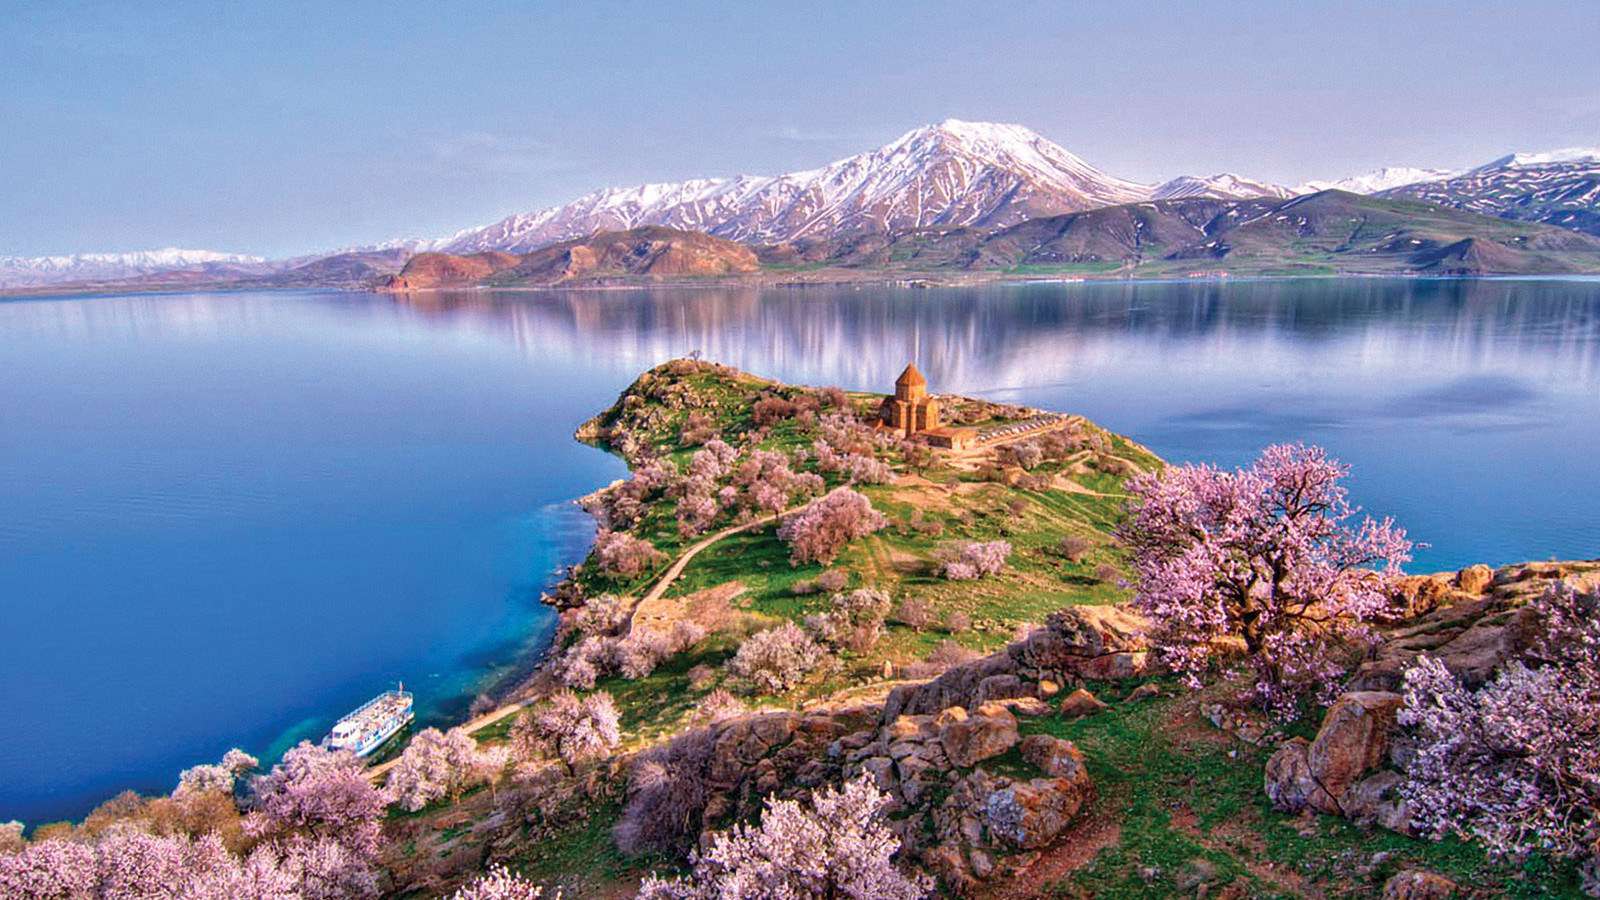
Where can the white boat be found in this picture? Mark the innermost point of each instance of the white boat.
(373, 722)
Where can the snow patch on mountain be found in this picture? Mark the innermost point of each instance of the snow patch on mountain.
(1377, 180)
(951, 174)
(32, 271)
(1222, 186)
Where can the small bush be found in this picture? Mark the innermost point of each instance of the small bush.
(974, 559)
(775, 660)
(916, 613)
(1075, 547)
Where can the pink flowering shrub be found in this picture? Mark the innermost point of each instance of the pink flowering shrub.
(436, 764)
(621, 555)
(1516, 763)
(499, 883)
(133, 865)
(1270, 555)
(840, 847)
(974, 559)
(821, 530)
(775, 660)
(317, 793)
(853, 620)
(571, 728)
(219, 777)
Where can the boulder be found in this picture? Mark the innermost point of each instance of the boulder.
(1080, 703)
(1475, 579)
(1033, 814)
(1053, 756)
(1116, 666)
(1027, 706)
(1002, 687)
(1144, 692)
(1354, 739)
(968, 740)
(1376, 799)
(1416, 884)
(1289, 783)
(1195, 873)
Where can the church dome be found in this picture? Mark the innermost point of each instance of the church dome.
(911, 377)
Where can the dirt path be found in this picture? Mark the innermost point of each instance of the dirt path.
(659, 589)
(651, 597)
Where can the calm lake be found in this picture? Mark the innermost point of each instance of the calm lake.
(225, 519)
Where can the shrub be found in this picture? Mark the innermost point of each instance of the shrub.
(1268, 555)
(1075, 547)
(1107, 572)
(436, 764)
(974, 559)
(945, 655)
(572, 729)
(701, 676)
(916, 613)
(822, 529)
(499, 884)
(832, 580)
(1515, 763)
(853, 621)
(621, 555)
(667, 791)
(775, 660)
(957, 623)
(718, 705)
(771, 410)
(840, 847)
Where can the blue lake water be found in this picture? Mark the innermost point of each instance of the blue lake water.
(227, 518)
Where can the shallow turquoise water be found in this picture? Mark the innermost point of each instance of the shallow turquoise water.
(225, 519)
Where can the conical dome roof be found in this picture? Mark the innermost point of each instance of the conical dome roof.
(911, 377)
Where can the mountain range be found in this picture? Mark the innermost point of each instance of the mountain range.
(955, 176)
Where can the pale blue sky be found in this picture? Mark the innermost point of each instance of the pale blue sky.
(280, 127)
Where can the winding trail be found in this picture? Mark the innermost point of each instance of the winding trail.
(656, 592)
(659, 589)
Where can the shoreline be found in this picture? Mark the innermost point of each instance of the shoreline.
(908, 282)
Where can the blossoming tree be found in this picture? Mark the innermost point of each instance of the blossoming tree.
(1272, 557)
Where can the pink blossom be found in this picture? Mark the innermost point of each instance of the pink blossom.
(840, 847)
(822, 529)
(1270, 555)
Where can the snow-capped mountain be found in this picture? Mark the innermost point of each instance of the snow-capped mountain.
(1222, 186)
(19, 271)
(951, 174)
(1377, 180)
(1560, 187)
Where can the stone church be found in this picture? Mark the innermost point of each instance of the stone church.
(912, 412)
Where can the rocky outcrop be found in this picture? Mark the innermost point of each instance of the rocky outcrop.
(969, 740)
(1331, 773)
(1474, 621)
(1077, 644)
(953, 815)
(1471, 620)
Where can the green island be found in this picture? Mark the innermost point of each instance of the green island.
(926, 598)
(1176, 807)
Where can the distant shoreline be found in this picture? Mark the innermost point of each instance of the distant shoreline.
(68, 292)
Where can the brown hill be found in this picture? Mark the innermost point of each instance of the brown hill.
(437, 270)
(651, 252)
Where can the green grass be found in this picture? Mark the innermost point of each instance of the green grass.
(1181, 791)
